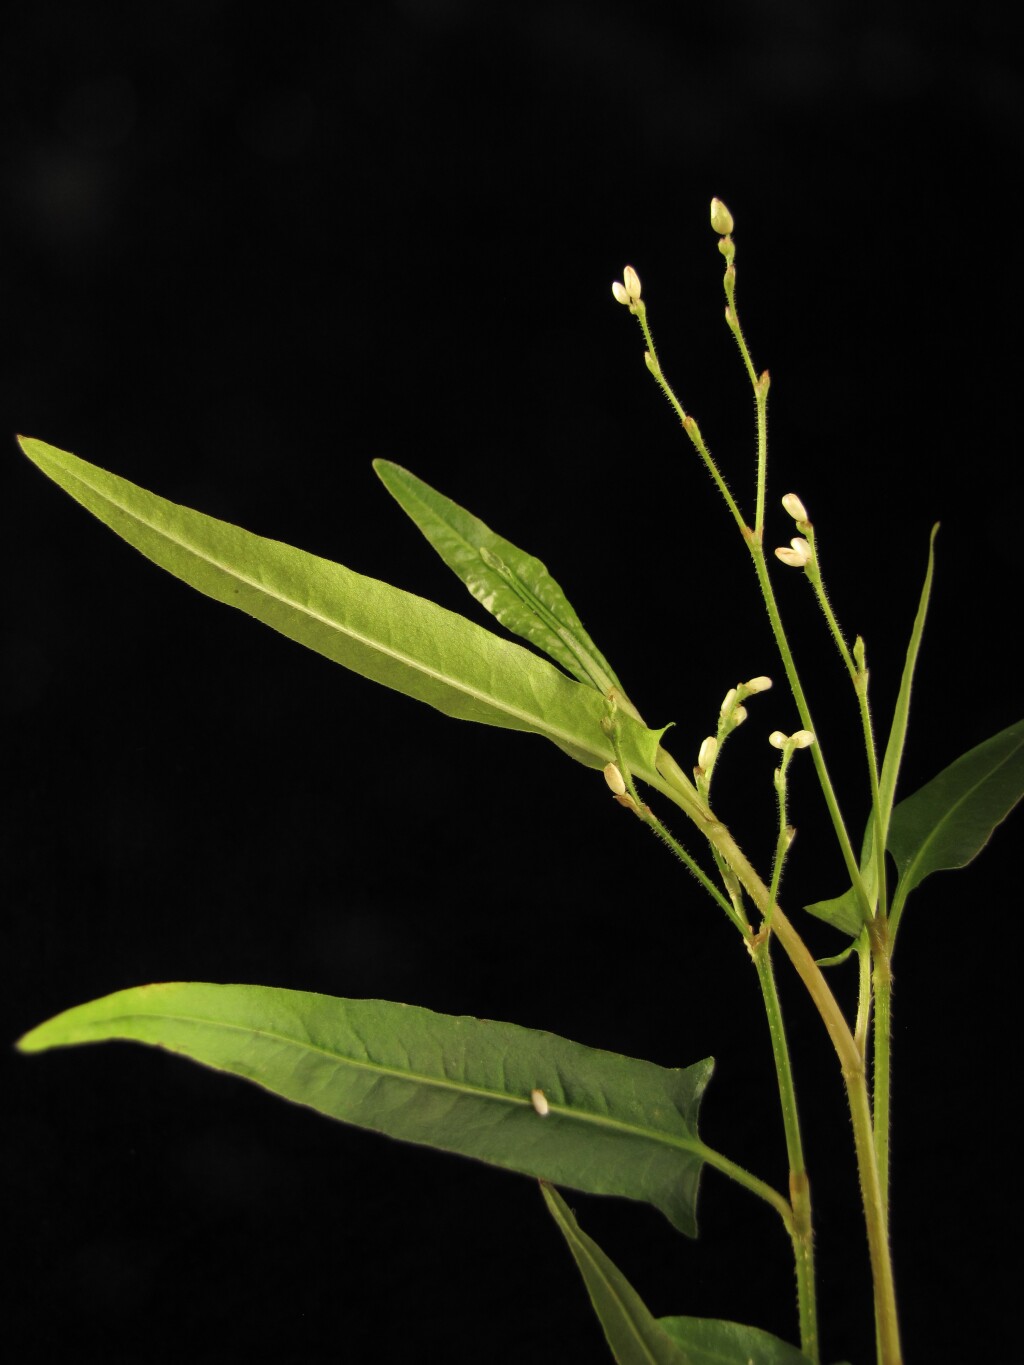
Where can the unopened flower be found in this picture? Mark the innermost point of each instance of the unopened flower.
(614, 779)
(730, 697)
(739, 715)
(627, 291)
(759, 684)
(798, 557)
(721, 218)
(794, 507)
(708, 750)
(799, 739)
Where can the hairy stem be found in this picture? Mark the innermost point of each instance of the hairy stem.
(799, 1185)
(854, 1078)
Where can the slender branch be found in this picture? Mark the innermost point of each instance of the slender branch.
(688, 423)
(799, 1185)
(804, 711)
(854, 1078)
(886, 1320)
(882, 1083)
(632, 798)
(748, 1180)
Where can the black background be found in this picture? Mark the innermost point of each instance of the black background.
(248, 249)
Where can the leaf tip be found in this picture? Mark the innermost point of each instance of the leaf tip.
(30, 1042)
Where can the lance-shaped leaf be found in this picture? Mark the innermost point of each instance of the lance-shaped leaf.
(636, 1337)
(632, 1331)
(845, 912)
(388, 635)
(512, 585)
(950, 820)
(713, 1341)
(525, 1100)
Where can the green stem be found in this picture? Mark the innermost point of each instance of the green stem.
(748, 1180)
(854, 1078)
(688, 423)
(886, 1319)
(733, 321)
(804, 711)
(856, 667)
(761, 402)
(802, 1232)
(783, 839)
(863, 1024)
(882, 1073)
(760, 385)
(813, 572)
(645, 813)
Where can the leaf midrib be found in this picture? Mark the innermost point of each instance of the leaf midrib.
(533, 721)
(691, 1145)
(938, 828)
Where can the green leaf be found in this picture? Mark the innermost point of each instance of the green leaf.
(613, 1125)
(844, 912)
(636, 1337)
(950, 819)
(710, 1341)
(633, 1333)
(390, 636)
(511, 584)
(901, 711)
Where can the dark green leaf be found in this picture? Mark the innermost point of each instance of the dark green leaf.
(613, 1125)
(842, 912)
(636, 1337)
(512, 585)
(388, 635)
(633, 1333)
(950, 820)
(845, 912)
(710, 1341)
(901, 711)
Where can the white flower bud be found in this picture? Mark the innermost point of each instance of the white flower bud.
(798, 557)
(632, 282)
(539, 1101)
(721, 218)
(802, 739)
(708, 750)
(619, 290)
(730, 697)
(794, 507)
(777, 739)
(614, 779)
(739, 715)
(758, 684)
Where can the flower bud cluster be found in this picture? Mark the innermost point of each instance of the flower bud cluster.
(800, 739)
(799, 556)
(628, 291)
